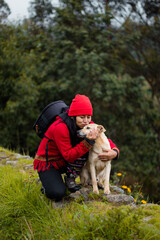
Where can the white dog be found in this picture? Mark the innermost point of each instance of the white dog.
(96, 171)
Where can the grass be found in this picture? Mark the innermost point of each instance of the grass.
(27, 214)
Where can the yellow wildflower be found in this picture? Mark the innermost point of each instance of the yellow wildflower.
(119, 174)
(129, 190)
(124, 187)
(143, 201)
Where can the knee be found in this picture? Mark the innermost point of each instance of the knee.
(57, 194)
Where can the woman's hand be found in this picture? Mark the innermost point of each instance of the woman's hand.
(93, 135)
(107, 155)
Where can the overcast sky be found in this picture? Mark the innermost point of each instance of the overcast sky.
(19, 8)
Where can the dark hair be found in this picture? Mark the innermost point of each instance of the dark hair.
(72, 127)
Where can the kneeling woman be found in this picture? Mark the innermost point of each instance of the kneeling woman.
(66, 152)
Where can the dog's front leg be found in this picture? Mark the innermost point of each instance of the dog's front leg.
(107, 178)
(94, 180)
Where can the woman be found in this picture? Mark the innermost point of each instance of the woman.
(66, 152)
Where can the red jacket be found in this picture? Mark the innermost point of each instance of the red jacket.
(60, 149)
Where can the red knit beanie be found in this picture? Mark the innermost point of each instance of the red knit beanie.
(80, 105)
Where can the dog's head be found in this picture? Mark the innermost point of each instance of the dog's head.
(88, 128)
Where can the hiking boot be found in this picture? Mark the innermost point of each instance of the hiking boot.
(71, 184)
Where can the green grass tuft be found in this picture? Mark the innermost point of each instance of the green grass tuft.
(27, 214)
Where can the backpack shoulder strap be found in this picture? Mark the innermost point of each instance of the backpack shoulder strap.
(46, 150)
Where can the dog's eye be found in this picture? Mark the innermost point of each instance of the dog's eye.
(88, 127)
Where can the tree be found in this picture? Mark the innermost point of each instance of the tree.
(4, 10)
(17, 90)
(41, 12)
(80, 52)
(139, 39)
(144, 10)
(139, 46)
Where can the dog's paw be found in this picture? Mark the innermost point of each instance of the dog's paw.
(107, 192)
(96, 191)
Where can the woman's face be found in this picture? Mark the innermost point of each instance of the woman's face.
(83, 120)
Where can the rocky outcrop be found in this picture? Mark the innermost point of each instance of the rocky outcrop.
(115, 197)
(9, 158)
(85, 194)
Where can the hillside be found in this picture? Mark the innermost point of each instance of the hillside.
(25, 213)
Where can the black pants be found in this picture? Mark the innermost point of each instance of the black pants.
(53, 183)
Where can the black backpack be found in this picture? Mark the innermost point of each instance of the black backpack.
(48, 116)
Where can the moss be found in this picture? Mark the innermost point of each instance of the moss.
(80, 199)
(93, 196)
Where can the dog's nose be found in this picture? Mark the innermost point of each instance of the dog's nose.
(80, 134)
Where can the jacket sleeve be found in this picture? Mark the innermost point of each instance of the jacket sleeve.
(62, 139)
(113, 146)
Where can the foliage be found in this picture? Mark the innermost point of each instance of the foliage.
(18, 90)
(140, 52)
(120, 180)
(139, 40)
(4, 10)
(40, 11)
(74, 48)
(143, 10)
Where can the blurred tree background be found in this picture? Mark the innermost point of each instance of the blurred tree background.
(107, 50)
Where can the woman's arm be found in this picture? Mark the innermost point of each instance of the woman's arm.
(109, 154)
(61, 137)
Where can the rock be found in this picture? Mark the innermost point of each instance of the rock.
(146, 219)
(27, 167)
(117, 189)
(111, 198)
(84, 192)
(2, 157)
(75, 195)
(13, 159)
(17, 155)
(2, 154)
(11, 162)
(59, 204)
(119, 199)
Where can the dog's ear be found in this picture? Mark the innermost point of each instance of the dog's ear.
(101, 128)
